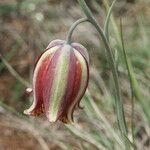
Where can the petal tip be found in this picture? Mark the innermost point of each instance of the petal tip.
(26, 112)
(32, 112)
(52, 118)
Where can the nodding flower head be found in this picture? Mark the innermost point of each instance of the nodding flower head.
(60, 79)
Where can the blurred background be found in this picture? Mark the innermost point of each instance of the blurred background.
(26, 28)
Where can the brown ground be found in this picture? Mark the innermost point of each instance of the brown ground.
(11, 139)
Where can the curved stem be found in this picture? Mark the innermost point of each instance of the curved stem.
(119, 102)
(68, 40)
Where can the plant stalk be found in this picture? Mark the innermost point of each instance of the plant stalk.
(118, 100)
(68, 40)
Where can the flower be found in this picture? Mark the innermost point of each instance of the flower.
(60, 80)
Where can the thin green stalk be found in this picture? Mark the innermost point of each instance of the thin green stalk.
(114, 25)
(68, 40)
(136, 89)
(102, 118)
(13, 72)
(119, 102)
(106, 26)
(85, 136)
(115, 74)
(131, 86)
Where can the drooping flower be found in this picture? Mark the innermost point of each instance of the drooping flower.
(59, 81)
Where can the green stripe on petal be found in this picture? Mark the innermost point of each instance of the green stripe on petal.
(60, 83)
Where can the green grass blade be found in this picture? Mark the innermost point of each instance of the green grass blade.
(136, 92)
(85, 136)
(13, 72)
(106, 26)
(130, 79)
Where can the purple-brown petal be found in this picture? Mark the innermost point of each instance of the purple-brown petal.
(80, 48)
(39, 74)
(55, 43)
(49, 81)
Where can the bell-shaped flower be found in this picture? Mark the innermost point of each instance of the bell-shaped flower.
(60, 80)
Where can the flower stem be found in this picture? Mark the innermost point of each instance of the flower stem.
(68, 40)
(118, 100)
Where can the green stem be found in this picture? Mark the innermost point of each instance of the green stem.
(68, 40)
(119, 102)
(108, 19)
(131, 86)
